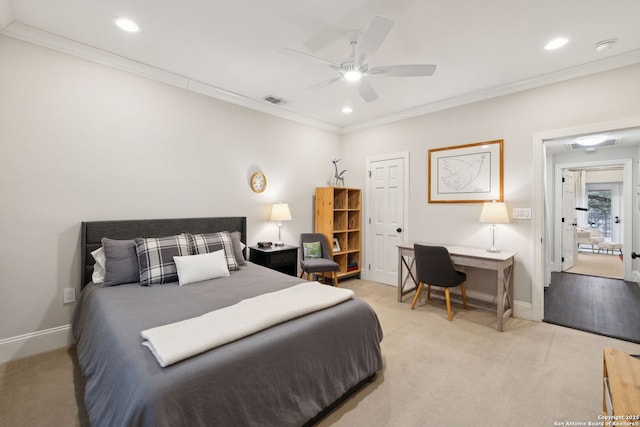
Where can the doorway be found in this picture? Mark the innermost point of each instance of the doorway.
(590, 294)
(386, 210)
(543, 242)
(589, 212)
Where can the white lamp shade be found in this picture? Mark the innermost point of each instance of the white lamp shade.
(494, 213)
(280, 212)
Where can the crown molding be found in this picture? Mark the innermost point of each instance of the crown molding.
(618, 61)
(80, 50)
(61, 44)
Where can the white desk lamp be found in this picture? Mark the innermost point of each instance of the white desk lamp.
(280, 212)
(494, 213)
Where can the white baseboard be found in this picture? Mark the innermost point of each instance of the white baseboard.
(35, 342)
(635, 276)
(523, 310)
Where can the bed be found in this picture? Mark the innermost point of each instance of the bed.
(286, 375)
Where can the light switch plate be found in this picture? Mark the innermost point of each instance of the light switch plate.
(521, 213)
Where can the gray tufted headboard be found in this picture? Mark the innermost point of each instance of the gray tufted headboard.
(94, 231)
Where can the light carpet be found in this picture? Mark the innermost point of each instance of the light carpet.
(436, 372)
(600, 265)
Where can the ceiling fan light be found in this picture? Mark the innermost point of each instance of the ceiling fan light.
(353, 75)
(347, 110)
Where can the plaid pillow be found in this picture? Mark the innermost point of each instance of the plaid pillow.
(155, 258)
(207, 243)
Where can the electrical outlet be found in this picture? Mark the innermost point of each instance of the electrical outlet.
(68, 295)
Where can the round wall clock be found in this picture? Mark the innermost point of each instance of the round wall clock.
(258, 182)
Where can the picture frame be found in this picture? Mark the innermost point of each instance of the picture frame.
(471, 173)
(336, 245)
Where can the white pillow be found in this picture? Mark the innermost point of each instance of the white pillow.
(98, 268)
(196, 268)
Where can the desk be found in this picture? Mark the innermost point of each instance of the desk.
(501, 262)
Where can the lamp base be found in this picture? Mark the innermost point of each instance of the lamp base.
(493, 249)
(278, 244)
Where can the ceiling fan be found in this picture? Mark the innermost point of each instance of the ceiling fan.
(356, 67)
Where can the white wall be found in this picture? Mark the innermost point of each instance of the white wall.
(514, 118)
(598, 176)
(80, 142)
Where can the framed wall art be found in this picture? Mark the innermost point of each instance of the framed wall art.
(471, 173)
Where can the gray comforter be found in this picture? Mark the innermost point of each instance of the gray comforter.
(282, 376)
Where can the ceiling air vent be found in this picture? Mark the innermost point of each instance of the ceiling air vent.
(275, 101)
(606, 143)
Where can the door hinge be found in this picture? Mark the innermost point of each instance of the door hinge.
(563, 179)
(562, 259)
(369, 268)
(369, 221)
(562, 220)
(369, 172)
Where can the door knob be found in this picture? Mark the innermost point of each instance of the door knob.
(634, 255)
(399, 230)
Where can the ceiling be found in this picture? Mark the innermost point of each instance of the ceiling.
(233, 50)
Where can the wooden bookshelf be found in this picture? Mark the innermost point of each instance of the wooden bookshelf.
(338, 215)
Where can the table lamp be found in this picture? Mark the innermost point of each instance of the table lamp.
(494, 213)
(280, 212)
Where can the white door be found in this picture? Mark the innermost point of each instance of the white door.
(569, 245)
(386, 228)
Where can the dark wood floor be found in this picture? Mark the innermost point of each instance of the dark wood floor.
(603, 306)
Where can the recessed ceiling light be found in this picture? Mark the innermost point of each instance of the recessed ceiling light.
(347, 110)
(604, 45)
(126, 25)
(590, 140)
(556, 43)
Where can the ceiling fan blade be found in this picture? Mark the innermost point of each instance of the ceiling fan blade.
(298, 54)
(366, 91)
(372, 39)
(411, 70)
(320, 85)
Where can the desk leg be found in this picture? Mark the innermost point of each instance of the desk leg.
(404, 265)
(400, 270)
(505, 300)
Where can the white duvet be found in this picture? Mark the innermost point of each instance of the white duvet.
(180, 340)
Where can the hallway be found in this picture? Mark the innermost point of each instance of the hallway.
(604, 306)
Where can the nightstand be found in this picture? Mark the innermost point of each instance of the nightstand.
(281, 258)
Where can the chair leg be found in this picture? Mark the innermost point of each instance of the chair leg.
(428, 291)
(335, 279)
(301, 274)
(446, 294)
(415, 298)
(464, 296)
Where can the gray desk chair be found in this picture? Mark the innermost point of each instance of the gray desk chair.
(434, 267)
(323, 264)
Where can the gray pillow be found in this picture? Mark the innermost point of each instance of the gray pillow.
(121, 264)
(237, 247)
